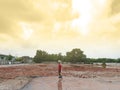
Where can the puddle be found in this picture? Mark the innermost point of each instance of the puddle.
(73, 83)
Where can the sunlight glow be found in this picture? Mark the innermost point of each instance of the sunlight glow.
(27, 31)
(84, 8)
(89, 11)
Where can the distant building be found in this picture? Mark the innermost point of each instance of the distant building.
(8, 59)
(3, 59)
(26, 59)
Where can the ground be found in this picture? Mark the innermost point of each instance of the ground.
(73, 83)
(14, 77)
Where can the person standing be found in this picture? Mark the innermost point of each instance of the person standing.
(59, 68)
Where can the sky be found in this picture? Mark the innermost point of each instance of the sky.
(58, 26)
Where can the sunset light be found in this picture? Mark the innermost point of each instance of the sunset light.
(59, 26)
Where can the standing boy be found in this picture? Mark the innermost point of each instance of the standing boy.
(59, 69)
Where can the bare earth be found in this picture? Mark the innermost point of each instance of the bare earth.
(73, 83)
(75, 77)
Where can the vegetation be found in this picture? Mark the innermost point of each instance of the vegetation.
(9, 57)
(104, 65)
(42, 56)
(74, 56)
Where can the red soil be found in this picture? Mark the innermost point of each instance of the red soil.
(33, 70)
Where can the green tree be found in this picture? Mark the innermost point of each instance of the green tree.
(118, 60)
(19, 59)
(9, 58)
(104, 64)
(40, 56)
(76, 55)
(60, 57)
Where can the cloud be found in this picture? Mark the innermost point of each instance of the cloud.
(115, 7)
(40, 16)
(47, 24)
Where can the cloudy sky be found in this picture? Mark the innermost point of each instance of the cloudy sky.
(59, 26)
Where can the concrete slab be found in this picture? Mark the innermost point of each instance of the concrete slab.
(73, 83)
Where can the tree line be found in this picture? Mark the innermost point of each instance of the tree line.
(74, 56)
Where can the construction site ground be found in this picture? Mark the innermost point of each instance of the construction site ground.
(45, 77)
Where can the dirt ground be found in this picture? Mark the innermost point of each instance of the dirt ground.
(14, 84)
(16, 76)
(73, 83)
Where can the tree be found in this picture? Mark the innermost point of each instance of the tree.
(9, 58)
(60, 57)
(19, 59)
(40, 56)
(76, 55)
(104, 65)
(118, 60)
